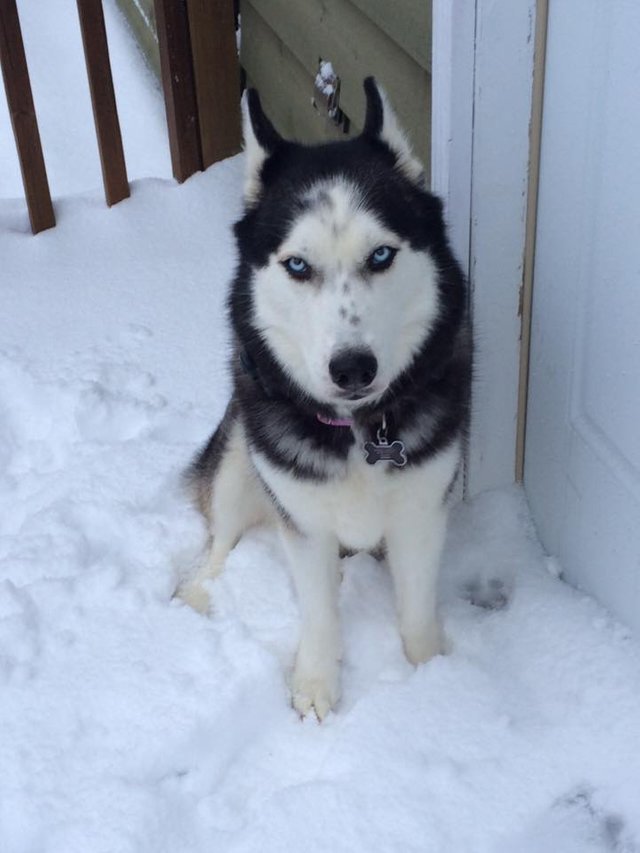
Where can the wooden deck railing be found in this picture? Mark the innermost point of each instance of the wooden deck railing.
(200, 78)
(23, 118)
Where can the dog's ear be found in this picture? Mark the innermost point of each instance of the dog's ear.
(381, 123)
(260, 140)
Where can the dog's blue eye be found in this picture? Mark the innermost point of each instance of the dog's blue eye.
(381, 258)
(297, 267)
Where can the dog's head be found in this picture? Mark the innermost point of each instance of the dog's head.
(340, 248)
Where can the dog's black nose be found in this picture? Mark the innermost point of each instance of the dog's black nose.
(353, 369)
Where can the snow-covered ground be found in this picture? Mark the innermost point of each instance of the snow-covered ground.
(130, 724)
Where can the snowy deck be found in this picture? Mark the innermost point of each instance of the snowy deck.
(130, 724)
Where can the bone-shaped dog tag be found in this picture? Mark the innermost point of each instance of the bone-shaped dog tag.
(382, 451)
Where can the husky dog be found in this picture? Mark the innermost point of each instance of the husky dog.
(351, 370)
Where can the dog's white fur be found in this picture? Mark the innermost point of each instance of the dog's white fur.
(254, 155)
(360, 506)
(395, 137)
(361, 509)
(306, 323)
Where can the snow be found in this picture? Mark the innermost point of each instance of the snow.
(129, 723)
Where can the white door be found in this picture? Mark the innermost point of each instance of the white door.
(582, 462)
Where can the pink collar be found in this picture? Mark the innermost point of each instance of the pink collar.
(335, 422)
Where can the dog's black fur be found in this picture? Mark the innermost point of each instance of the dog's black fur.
(438, 381)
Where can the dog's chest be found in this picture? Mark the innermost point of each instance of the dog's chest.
(356, 506)
(353, 506)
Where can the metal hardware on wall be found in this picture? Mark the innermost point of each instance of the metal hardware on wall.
(326, 95)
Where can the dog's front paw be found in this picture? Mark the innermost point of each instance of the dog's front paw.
(423, 644)
(317, 691)
(195, 595)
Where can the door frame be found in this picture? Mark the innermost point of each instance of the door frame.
(487, 76)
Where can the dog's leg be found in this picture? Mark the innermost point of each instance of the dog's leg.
(237, 502)
(192, 591)
(414, 542)
(314, 566)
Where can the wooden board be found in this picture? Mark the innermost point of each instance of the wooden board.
(23, 119)
(217, 77)
(179, 87)
(105, 112)
(407, 22)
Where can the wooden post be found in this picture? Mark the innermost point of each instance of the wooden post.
(217, 77)
(105, 112)
(179, 87)
(23, 119)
